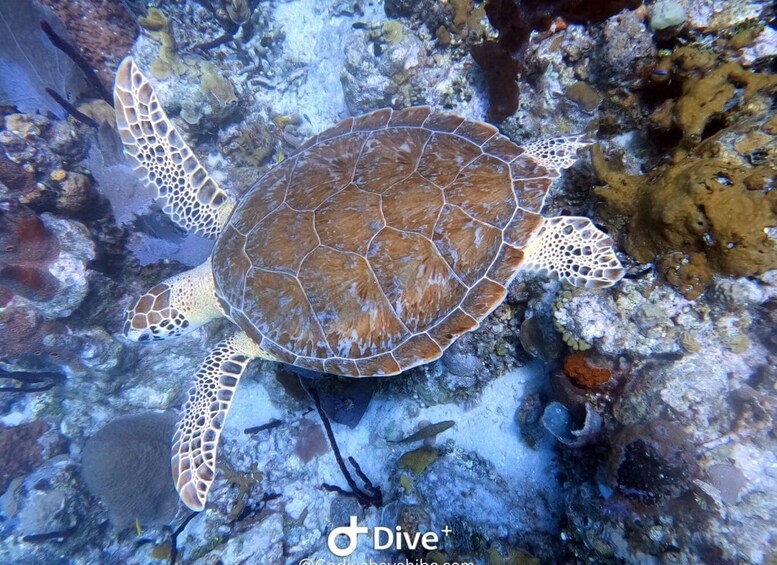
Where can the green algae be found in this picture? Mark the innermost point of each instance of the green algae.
(392, 32)
(418, 459)
(167, 64)
(584, 95)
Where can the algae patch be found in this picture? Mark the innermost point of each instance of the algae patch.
(418, 459)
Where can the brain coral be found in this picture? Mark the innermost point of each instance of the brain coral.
(695, 217)
(127, 465)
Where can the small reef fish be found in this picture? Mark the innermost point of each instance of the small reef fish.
(427, 432)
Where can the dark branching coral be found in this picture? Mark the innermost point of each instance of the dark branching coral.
(343, 400)
(29, 382)
(695, 218)
(369, 494)
(651, 463)
(127, 465)
(75, 54)
(501, 61)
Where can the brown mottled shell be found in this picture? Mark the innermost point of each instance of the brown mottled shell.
(378, 244)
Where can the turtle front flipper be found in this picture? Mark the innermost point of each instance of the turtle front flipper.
(190, 196)
(197, 433)
(574, 250)
(557, 153)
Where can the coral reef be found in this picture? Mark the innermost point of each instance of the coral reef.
(670, 459)
(666, 325)
(14, 177)
(626, 52)
(452, 23)
(379, 67)
(26, 250)
(42, 511)
(695, 218)
(42, 170)
(708, 91)
(692, 365)
(666, 14)
(558, 420)
(44, 260)
(248, 144)
(538, 337)
(201, 95)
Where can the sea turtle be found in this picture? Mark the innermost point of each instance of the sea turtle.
(368, 252)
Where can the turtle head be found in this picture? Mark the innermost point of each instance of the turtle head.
(175, 307)
(154, 318)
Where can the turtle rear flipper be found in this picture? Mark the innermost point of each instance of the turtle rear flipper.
(208, 401)
(574, 250)
(190, 196)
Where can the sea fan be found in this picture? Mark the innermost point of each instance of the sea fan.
(29, 63)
